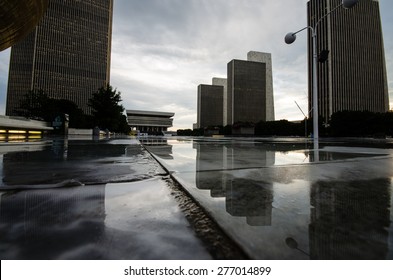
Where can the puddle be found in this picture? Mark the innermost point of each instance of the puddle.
(277, 203)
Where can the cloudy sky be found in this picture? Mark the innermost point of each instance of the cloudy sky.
(163, 49)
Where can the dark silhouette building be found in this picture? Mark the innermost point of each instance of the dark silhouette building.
(210, 105)
(353, 75)
(250, 89)
(67, 55)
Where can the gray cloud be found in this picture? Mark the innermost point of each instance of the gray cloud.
(171, 46)
(180, 44)
(162, 50)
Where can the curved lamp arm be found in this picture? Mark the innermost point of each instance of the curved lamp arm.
(291, 36)
(347, 4)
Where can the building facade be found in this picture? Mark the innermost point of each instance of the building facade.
(224, 83)
(210, 105)
(149, 122)
(250, 89)
(354, 76)
(67, 55)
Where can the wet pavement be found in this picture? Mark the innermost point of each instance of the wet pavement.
(283, 200)
(274, 198)
(85, 199)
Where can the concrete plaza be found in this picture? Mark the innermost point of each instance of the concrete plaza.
(196, 198)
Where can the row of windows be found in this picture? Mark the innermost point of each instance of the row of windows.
(93, 9)
(70, 53)
(363, 76)
(354, 76)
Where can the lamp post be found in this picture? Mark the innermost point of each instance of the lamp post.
(291, 37)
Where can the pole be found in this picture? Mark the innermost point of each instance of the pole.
(314, 76)
(315, 86)
(315, 96)
(289, 39)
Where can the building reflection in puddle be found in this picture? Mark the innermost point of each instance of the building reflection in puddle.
(158, 146)
(243, 197)
(350, 220)
(288, 204)
(252, 200)
(138, 220)
(121, 208)
(84, 161)
(40, 224)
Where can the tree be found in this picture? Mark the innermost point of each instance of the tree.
(39, 106)
(361, 124)
(107, 112)
(33, 105)
(76, 116)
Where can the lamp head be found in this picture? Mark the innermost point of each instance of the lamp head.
(347, 4)
(290, 38)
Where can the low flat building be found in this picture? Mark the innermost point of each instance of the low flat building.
(149, 122)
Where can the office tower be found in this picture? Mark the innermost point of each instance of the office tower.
(250, 89)
(354, 76)
(67, 55)
(210, 105)
(224, 83)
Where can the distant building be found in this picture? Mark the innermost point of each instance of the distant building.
(149, 122)
(250, 89)
(210, 105)
(354, 76)
(245, 96)
(67, 55)
(224, 83)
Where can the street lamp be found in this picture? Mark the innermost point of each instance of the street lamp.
(291, 37)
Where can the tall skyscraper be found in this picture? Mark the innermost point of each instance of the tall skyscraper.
(354, 76)
(67, 55)
(224, 83)
(210, 105)
(250, 89)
